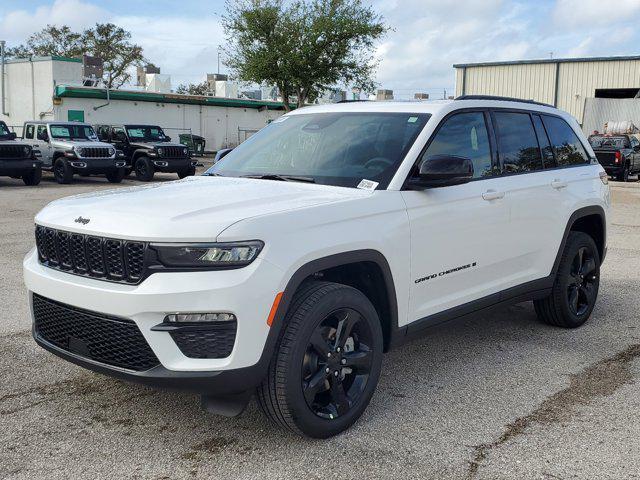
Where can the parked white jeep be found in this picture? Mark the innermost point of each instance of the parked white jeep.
(69, 148)
(334, 234)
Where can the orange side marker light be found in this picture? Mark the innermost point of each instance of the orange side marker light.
(274, 308)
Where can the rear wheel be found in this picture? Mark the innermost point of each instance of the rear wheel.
(187, 172)
(115, 176)
(327, 363)
(575, 289)
(33, 177)
(62, 171)
(144, 169)
(624, 176)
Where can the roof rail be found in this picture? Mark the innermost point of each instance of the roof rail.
(353, 101)
(502, 99)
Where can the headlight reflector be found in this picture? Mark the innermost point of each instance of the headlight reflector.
(160, 151)
(215, 255)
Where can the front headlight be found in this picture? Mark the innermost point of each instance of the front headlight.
(186, 151)
(160, 152)
(213, 255)
(79, 151)
(112, 151)
(26, 151)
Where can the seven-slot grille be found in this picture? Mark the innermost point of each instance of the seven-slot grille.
(95, 336)
(13, 151)
(105, 258)
(95, 152)
(173, 152)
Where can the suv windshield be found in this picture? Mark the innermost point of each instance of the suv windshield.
(600, 141)
(339, 149)
(73, 132)
(4, 130)
(145, 133)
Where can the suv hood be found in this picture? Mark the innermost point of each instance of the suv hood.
(196, 209)
(80, 143)
(150, 145)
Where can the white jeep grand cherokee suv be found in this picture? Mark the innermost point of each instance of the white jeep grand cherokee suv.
(331, 236)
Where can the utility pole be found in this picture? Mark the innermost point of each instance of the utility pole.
(2, 77)
(218, 59)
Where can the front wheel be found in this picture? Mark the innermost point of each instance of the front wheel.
(144, 169)
(327, 363)
(115, 176)
(33, 177)
(575, 288)
(187, 172)
(62, 171)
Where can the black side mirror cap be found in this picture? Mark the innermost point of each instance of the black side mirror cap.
(222, 153)
(12, 136)
(442, 171)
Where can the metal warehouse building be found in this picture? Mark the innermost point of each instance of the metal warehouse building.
(50, 88)
(577, 85)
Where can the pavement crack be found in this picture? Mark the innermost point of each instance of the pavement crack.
(601, 379)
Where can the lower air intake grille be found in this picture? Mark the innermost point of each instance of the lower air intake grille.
(109, 340)
(213, 341)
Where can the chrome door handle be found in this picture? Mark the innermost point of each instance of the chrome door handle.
(492, 195)
(558, 184)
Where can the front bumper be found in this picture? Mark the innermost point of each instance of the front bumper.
(172, 165)
(244, 292)
(19, 166)
(96, 165)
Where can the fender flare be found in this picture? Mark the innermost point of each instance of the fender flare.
(578, 214)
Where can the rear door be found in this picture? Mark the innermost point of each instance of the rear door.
(536, 192)
(457, 232)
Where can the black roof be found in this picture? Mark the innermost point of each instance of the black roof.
(549, 60)
(502, 99)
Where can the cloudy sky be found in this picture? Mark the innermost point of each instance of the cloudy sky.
(428, 36)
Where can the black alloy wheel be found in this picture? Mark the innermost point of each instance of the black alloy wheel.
(144, 169)
(582, 289)
(575, 288)
(337, 363)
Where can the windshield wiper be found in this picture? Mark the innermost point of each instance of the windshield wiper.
(284, 178)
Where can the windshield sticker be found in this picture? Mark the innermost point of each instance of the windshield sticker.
(367, 185)
(412, 120)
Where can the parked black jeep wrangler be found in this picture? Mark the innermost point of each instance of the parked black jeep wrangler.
(18, 159)
(148, 150)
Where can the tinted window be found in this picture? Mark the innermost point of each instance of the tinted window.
(464, 135)
(517, 143)
(569, 150)
(42, 132)
(634, 142)
(29, 131)
(543, 140)
(600, 141)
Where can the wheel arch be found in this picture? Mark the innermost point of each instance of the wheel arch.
(366, 270)
(590, 220)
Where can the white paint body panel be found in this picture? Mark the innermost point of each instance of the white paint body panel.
(513, 240)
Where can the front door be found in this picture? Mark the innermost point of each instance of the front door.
(457, 242)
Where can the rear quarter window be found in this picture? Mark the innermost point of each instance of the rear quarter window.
(566, 144)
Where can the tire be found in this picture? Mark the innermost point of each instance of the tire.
(187, 172)
(33, 177)
(115, 176)
(144, 169)
(624, 176)
(313, 387)
(62, 171)
(575, 289)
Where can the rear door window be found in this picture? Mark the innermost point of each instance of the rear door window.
(566, 145)
(464, 135)
(517, 143)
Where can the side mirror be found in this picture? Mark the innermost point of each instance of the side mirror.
(442, 171)
(12, 136)
(221, 154)
(636, 148)
(167, 139)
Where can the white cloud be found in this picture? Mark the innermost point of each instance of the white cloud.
(17, 25)
(586, 14)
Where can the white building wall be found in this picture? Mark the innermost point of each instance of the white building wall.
(218, 125)
(29, 88)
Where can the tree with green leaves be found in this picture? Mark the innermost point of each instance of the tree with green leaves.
(302, 47)
(107, 41)
(193, 88)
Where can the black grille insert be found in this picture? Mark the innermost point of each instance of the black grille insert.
(95, 152)
(105, 258)
(212, 341)
(173, 152)
(109, 340)
(14, 152)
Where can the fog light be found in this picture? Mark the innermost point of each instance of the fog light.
(200, 317)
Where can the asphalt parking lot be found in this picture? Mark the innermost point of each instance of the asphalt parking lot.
(492, 396)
